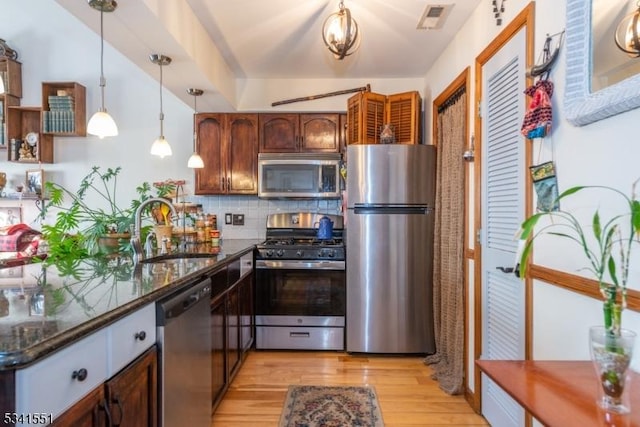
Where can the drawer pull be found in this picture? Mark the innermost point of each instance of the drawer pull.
(80, 374)
(299, 334)
(140, 335)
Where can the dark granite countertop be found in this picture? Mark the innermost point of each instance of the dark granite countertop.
(43, 309)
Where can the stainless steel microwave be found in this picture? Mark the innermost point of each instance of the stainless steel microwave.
(299, 175)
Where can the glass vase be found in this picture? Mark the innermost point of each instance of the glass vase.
(611, 356)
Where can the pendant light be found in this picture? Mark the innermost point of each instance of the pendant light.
(627, 35)
(195, 161)
(101, 123)
(160, 146)
(340, 33)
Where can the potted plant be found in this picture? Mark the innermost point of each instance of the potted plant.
(93, 217)
(607, 246)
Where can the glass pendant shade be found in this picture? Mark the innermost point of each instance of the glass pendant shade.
(161, 147)
(102, 124)
(195, 161)
(627, 35)
(340, 33)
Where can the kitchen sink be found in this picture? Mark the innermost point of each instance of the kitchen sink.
(178, 256)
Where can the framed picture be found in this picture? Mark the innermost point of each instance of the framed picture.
(10, 215)
(35, 181)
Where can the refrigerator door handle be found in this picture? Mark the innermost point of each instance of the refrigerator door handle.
(391, 209)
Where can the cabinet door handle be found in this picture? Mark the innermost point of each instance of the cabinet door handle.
(116, 400)
(104, 406)
(228, 184)
(142, 335)
(222, 183)
(80, 374)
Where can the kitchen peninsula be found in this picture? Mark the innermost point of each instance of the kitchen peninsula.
(87, 324)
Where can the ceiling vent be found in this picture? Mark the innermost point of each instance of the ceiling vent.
(434, 16)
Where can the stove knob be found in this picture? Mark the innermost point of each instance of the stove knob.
(299, 254)
(320, 253)
(269, 253)
(332, 253)
(280, 252)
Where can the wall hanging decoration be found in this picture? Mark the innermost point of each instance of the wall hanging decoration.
(539, 116)
(546, 186)
(498, 10)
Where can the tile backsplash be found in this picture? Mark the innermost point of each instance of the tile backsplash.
(255, 212)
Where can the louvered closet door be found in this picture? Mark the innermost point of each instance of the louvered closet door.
(503, 294)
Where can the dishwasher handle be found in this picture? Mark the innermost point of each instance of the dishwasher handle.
(182, 302)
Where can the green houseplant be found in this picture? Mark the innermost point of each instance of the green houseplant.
(86, 216)
(607, 245)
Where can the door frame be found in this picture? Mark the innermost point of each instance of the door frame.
(525, 19)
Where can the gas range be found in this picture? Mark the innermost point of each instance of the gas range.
(301, 284)
(292, 236)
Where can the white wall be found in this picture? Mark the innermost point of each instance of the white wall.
(604, 153)
(55, 46)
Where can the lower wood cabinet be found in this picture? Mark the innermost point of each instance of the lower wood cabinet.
(128, 399)
(232, 324)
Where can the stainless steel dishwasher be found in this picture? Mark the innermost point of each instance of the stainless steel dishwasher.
(184, 337)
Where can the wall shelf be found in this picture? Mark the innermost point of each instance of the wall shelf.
(64, 109)
(22, 121)
(11, 75)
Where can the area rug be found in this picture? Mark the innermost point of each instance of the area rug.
(323, 406)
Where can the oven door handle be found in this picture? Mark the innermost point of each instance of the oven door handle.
(299, 265)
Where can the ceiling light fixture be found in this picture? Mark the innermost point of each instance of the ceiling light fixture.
(627, 35)
(195, 161)
(101, 123)
(340, 33)
(160, 146)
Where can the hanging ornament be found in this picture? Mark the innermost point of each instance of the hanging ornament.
(498, 10)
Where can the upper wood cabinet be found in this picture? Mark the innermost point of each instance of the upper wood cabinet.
(368, 111)
(228, 145)
(304, 132)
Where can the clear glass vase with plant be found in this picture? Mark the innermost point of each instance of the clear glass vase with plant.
(607, 245)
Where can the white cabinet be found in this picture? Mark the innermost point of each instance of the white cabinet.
(129, 337)
(57, 382)
(60, 380)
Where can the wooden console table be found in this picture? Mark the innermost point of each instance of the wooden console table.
(560, 393)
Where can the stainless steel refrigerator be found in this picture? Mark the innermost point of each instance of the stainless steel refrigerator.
(390, 218)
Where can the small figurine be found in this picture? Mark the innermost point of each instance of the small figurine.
(25, 151)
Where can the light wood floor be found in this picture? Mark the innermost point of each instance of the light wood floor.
(407, 394)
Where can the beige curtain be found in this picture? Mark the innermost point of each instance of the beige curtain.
(448, 280)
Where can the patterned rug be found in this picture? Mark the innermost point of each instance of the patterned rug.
(321, 406)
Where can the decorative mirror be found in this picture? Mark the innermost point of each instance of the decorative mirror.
(582, 105)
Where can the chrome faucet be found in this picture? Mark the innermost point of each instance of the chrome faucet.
(136, 245)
